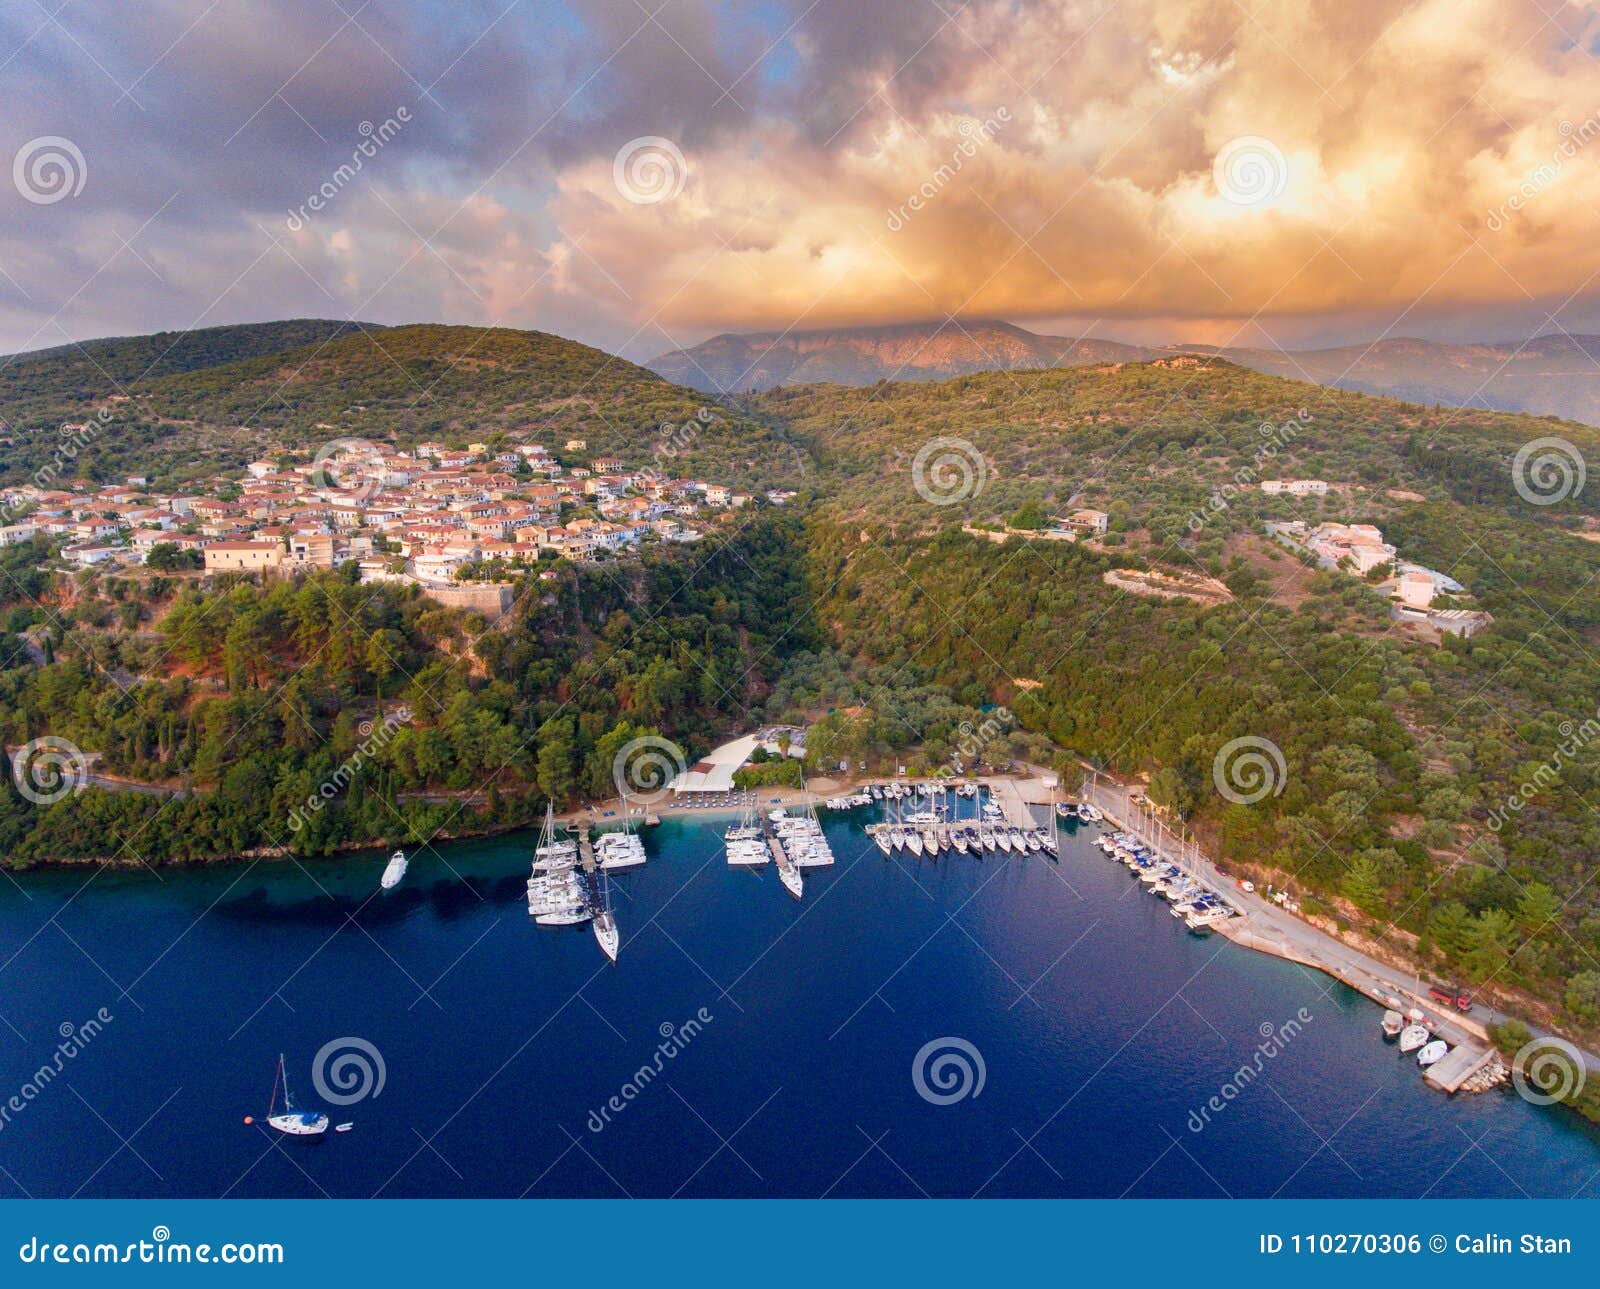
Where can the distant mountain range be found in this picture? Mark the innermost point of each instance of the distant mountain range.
(1551, 375)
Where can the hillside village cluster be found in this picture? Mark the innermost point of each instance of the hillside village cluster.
(439, 509)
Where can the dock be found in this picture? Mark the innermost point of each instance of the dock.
(1457, 1066)
(585, 851)
(776, 847)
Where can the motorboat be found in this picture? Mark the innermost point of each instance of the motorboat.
(1432, 1053)
(393, 871)
(1393, 1023)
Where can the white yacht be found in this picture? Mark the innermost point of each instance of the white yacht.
(1412, 1037)
(394, 871)
(619, 849)
(292, 1122)
(606, 933)
(1003, 837)
(789, 875)
(913, 840)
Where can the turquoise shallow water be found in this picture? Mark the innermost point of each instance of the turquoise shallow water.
(1101, 1026)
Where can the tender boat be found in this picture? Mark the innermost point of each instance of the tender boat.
(292, 1122)
(1413, 1037)
(1393, 1023)
(343, 1127)
(395, 870)
(1432, 1053)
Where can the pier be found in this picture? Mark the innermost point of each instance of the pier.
(776, 847)
(1460, 1064)
(585, 850)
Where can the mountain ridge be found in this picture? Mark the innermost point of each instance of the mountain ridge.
(1549, 375)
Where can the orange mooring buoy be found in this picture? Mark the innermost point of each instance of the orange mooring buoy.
(249, 1118)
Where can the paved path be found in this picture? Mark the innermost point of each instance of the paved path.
(1271, 929)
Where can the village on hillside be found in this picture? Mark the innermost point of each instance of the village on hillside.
(447, 519)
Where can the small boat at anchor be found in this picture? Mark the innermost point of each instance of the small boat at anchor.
(1432, 1053)
(292, 1122)
(393, 871)
(1393, 1023)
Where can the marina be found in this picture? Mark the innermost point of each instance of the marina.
(1103, 1024)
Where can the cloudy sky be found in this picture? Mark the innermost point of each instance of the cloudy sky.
(643, 173)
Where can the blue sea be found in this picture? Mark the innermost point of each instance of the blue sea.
(1003, 1026)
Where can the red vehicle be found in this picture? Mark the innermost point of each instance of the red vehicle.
(1460, 999)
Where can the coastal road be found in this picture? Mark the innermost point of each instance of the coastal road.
(1272, 929)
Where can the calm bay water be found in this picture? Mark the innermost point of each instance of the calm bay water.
(1100, 1022)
